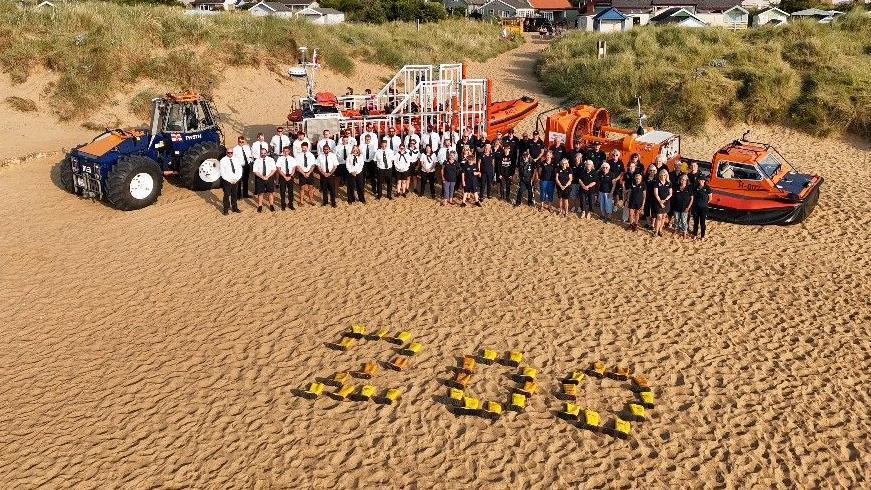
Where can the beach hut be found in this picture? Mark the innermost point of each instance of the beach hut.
(321, 15)
(770, 17)
(736, 18)
(678, 16)
(263, 9)
(608, 20)
(214, 5)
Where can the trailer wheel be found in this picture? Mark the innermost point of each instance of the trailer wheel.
(200, 168)
(66, 176)
(134, 183)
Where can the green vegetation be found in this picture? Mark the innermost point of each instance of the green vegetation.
(98, 48)
(21, 104)
(814, 77)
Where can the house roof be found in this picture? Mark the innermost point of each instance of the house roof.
(715, 5)
(775, 10)
(327, 11)
(551, 4)
(296, 3)
(515, 4)
(739, 8)
(636, 6)
(815, 13)
(207, 2)
(272, 6)
(610, 14)
(674, 15)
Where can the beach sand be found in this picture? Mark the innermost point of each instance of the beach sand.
(162, 347)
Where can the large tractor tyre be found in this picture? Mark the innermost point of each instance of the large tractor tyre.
(66, 176)
(200, 168)
(135, 182)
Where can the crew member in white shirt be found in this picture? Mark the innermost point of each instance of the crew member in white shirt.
(243, 156)
(384, 157)
(306, 163)
(352, 139)
(452, 136)
(297, 144)
(414, 171)
(264, 182)
(427, 163)
(355, 164)
(402, 164)
(368, 149)
(327, 165)
(411, 136)
(444, 151)
(279, 142)
(286, 168)
(432, 138)
(259, 145)
(343, 152)
(369, 131)
(393, 140)
(326, 140)
(231, 172)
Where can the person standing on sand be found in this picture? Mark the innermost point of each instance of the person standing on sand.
(327, 166)
(701, 201)
(576, 164)
(231, 172)
(428, 161)
(635, 197)
(681, 204)
(413, 169)
(243, 156)
(588, 178)
(606, 191)
(450, 174)
(300, 140)
(306, 162)
(286, 168)
(384, 158)
(432, 139)
(469, 176)
(506, 169)
(264, 182)
(564, 183)
(367, 150)
(650, 189)
(279, 142)
(356, 182)
(661, 197)
(488, 171)
(546, 180)
(402, 164)
(526, 174)
(596, 154)
(626, 183)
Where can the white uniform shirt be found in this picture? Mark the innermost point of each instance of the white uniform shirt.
(402, 161)
(279, 142)
(433, 139)
(297, 146)
(443, 153)
(327, 163)
(264, 166)
(354, 164)
(306, 162)
(343, 151)
(286, 165)
(384, 158)
(256, 147)
(368, 151)
(453, 135)
(413, 155)
(325, 141)
(351, 140)
(373, 136)
(412, 137)
(242, 155)
(428, 162)
(230, 171)
(393, 142)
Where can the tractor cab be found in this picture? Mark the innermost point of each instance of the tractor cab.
(126, 166)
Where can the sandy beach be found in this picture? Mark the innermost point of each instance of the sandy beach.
(161, 348)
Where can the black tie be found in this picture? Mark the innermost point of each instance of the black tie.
(367, 152)
(280, 144)
(384, 159)
(245, 154)
(232, 167)
(344, 152)
(264, 167)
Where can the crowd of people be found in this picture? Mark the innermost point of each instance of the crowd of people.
(469, 169)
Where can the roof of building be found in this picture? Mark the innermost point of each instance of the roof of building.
(515, 4)
(551, 4)
(815, 13)
(208, 2)
(774, 9)
(327, 11)
(636, 6)
(272, 6)
(674, 15)
(610, 14)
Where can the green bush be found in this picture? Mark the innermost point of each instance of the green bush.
(810, 76)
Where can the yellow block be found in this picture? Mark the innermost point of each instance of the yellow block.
(346, 391)
(370, 369)
(647, 398)
(572, 409)
(592, 418)
(346, 343)
(368, 391)
(493, 407)
(469, 364)
(392, 395)
(577, 377)
(381, 333)
(415, 347)
(341, 378)
(529, 372)
(456, 394)
(471, 403)
(489, 355)
(463, 379)
(358, 330)
(622, 427)
(599, 368)
(515, 357)
(315, 389)
(518, 400)
(529, 388)
(637, 410)
(403, 336)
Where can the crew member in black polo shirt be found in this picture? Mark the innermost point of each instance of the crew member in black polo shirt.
(506, 169)
(526, 173)
(536, 148)
(488, 172)
(595, 154)
(588, 177)
(701, 202)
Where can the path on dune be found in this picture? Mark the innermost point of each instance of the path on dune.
(160, 348)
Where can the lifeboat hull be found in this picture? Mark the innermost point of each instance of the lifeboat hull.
(507, 114)
(734, 208)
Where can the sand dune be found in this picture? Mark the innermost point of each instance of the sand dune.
(161, 348)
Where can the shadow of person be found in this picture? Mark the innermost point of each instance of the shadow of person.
(208, 196)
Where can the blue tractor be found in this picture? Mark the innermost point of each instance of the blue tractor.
(125, 168)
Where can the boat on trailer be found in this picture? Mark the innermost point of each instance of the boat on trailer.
(418, 96)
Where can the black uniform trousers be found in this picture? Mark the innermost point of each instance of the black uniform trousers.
(505, 188)
(242, 185)
(700, 216)
(486, 183)
(385, 178)
(230, 193)
(524, 186)
(328, 189)
(427, 178)
(356, 183)
(285, 188)
(370, 171)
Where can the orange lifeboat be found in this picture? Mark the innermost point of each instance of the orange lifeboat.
(507, 114)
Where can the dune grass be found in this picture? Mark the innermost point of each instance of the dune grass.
(813, 77)
(97, 48)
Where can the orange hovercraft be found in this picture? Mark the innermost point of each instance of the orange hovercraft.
(418, 96)
(751, 183)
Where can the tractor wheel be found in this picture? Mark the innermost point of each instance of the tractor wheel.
(200, 168)
(134, 182)
(66, 175)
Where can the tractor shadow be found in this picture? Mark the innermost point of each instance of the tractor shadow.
(208, 196)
